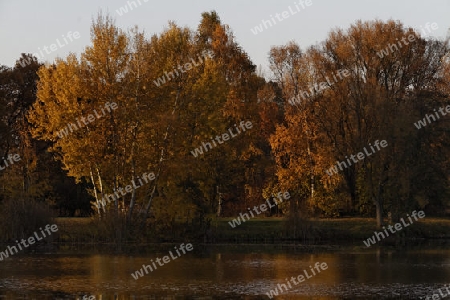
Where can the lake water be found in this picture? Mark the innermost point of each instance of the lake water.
(228, 272)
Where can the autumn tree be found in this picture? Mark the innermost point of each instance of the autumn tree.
(172, 92)
(374, 102)
(92, 89)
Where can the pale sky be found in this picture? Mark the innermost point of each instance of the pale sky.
(27, 25)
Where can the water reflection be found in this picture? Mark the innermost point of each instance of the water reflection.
(227, 273)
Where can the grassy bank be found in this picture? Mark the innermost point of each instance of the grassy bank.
(275, 230)
(327, 231)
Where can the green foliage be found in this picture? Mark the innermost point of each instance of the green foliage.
(180, 211)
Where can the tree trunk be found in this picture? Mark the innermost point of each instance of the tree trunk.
(161, 159)
(99, 204)
(379, 210)
(133, 193)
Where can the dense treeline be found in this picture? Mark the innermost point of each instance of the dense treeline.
(36, 175)
(114, 132)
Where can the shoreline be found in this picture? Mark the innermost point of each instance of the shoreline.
(261, 231)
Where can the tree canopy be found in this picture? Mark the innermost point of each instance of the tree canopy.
(133, 105)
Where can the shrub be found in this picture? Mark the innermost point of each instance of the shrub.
(19, 218)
